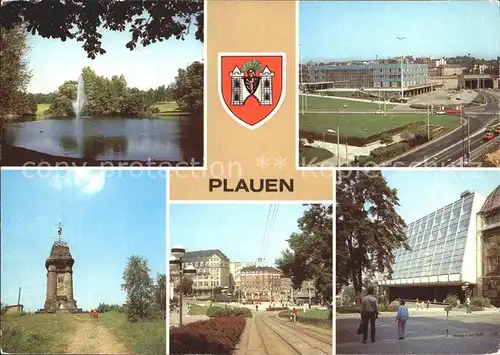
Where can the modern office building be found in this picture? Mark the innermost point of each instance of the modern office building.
(212, 270)
(369, 77)
(443, 253)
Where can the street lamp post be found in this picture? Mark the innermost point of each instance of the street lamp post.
(301, 79)
(176, 263)
(331, 131)
(338, 137)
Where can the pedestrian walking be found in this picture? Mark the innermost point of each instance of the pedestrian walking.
(369, 312)
(294, 314)
(467, 304)
(256, 308)
(401, 317)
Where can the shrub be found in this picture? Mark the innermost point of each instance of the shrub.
(476, 308)
(451, 299)
(386, 139)
(481, 302)
(215, 312)
(384, 153)
(347, 309)
(103, 308)
(270, 309)
(214, 336)
(388, 308)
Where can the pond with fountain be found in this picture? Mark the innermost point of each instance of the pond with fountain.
(98, 139)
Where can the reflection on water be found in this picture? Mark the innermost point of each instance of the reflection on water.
(176, 139)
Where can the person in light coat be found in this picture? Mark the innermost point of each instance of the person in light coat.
(402, 317)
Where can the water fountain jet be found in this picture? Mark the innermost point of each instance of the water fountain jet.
(81, 101)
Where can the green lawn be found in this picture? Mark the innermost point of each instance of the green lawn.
(37, 333)
(364, 125)
(145, 338)
(196, 310)
(313, 155)
(313, 313)
(41, 108)
(329, 103)
(168, 110)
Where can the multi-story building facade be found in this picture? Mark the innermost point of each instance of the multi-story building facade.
(212, 271)
(488, 254)
(261, 282)
(235, 272)
(371, 77)
(286, 289)
(442, 255)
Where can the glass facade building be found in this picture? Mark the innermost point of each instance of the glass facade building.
(372, 76)
(442, 247)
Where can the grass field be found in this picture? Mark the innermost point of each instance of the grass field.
(313, 313)
(78, 333)
(145, 338)
(311, 155)
(168, 110)
(197, 310)
(364, 125)
(41, 108)
(329, 103)
(37, 333)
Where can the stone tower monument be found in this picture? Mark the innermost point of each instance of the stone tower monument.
(59, 267)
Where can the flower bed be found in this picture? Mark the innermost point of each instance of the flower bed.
(214, 312)
(215, 336)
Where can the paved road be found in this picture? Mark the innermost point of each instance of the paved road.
(448, 149)
(266, 334)
(476, 333)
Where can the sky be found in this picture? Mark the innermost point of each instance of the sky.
(236, 229)
(107, 217)
(423, 192)
(347, 30)
(53, 62)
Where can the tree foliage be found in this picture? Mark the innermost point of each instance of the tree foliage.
(186, 287)
(309, 255)
(160, 294)
(368, 230)
(140, 289)
(14, 73)
(148, 21)
(187, 90)
(113, 97)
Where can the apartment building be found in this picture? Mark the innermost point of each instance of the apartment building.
(212, 270)
(261, 282)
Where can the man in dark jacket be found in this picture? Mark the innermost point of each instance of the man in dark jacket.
(369, 312)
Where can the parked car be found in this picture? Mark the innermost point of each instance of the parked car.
(379, 112)
(497, 131)
(489, 136)
(440, 112)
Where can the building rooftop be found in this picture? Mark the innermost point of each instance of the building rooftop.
(261, 269)
(366, 66)
(492, 201)
(198, 254)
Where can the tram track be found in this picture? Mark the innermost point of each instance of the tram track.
(280, 338)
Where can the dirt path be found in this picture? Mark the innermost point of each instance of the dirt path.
(94, 338)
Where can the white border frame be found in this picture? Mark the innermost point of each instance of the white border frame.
(297, 101)
(245, 202)
(252, 54)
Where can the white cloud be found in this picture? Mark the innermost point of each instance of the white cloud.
(86, 181)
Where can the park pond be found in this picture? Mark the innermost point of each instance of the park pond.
(177, 139)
